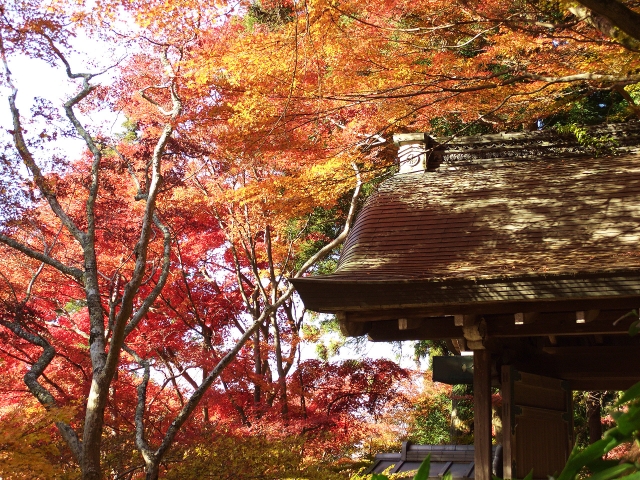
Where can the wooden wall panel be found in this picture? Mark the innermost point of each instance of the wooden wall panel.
(537, 428)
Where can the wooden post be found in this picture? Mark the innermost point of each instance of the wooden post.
(482, 413)
(508, 427)
(594, 413)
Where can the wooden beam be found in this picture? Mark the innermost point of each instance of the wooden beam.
(525, 317)
(498, 326)
(464, 320)
(482, 414)
(597, 367)
(586, 316)
(436, 328)
(382, 312)
(408, 323)
(543, 292)
(353, 329)
(601, 352)
(560, 323)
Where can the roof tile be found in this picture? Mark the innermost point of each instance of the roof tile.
(574, 214)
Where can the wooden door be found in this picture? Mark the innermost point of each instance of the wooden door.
(537, 425)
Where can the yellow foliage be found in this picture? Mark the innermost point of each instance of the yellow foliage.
(27, 451)
(634, 92)
(230, 457)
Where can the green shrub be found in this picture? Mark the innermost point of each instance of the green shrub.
(589, 460)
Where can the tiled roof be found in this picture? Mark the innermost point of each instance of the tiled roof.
(495, 219)
(456, 460)
(521, 217)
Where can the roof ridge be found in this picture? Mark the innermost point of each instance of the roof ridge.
(535, 145)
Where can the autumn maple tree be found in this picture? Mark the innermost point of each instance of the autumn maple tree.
(99, 286)
(145, 292)
(378, 68)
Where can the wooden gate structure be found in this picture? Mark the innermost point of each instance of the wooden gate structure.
(523, 248)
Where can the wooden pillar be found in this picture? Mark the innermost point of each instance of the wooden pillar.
(482, 413)
(594, 414)
(508, 426)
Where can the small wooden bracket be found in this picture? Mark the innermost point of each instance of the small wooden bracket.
(352, 329)
(586, 316)
(475, 334)
(408, 323)
(464, 320)
(524, 318)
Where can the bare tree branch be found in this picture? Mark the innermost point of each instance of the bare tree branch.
(27, 157)
(37, 389)
(622, 17)
(197, 395)
(30, 252)
(324, 251)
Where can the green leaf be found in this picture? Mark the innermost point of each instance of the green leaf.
(634, 328)
(423, 471)
(579, 459)
(529, 475)
(631, 394)
(633, 476)
(629, 422)
(611, 472)
(632, 313)
(601, 465)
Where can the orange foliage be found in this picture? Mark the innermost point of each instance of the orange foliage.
(273, 112)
